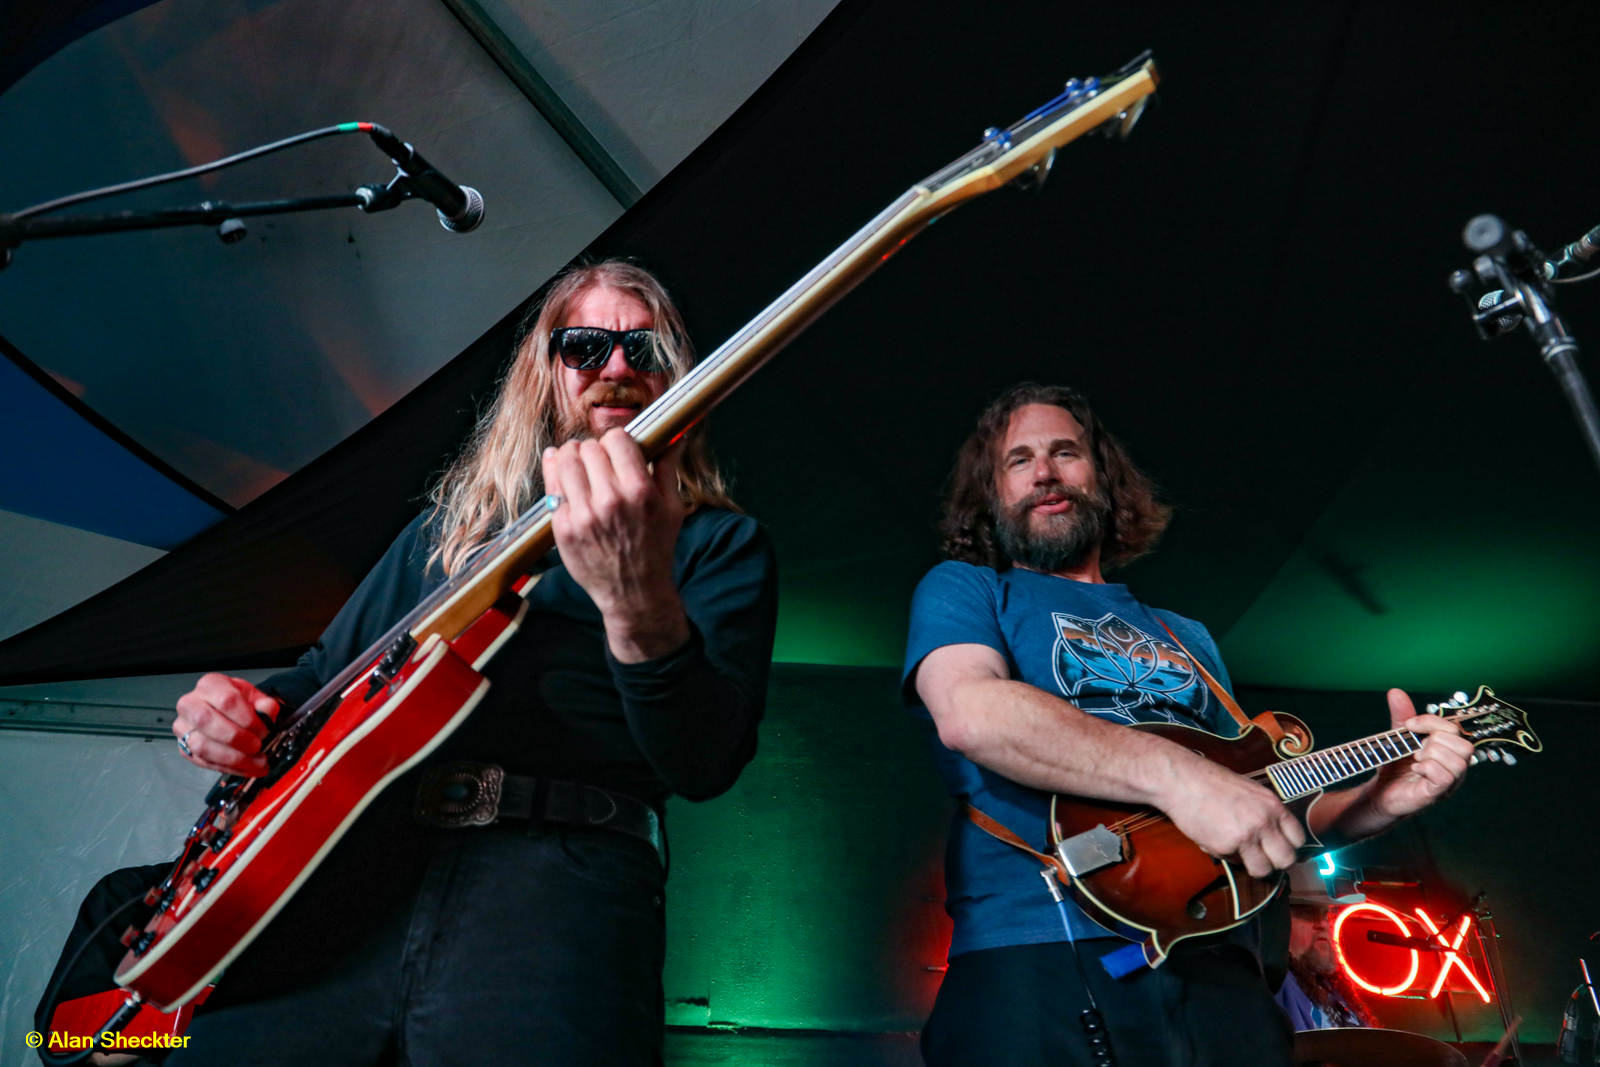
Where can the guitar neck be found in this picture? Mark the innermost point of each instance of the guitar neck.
(1308, 774)
(1030, 143)
(1024, 149)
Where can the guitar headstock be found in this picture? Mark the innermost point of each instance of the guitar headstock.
(1492, 725)
(1024, 151)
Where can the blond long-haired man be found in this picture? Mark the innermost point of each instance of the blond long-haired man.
(639, 672)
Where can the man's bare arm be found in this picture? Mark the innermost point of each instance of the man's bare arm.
(1044, 742)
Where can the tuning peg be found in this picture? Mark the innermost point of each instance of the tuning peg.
(1460, 698)
(1472, 760)
(1509, 758)
(1493, 754)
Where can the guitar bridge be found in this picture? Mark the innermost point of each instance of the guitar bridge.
(1090, 851)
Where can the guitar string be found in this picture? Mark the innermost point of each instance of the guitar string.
(672, 400)
(667, 406)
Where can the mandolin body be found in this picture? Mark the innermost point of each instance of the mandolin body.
(1165, 887)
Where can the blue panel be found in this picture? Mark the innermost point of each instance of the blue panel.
(56, 466)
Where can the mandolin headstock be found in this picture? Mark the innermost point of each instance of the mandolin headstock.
(1493, 726)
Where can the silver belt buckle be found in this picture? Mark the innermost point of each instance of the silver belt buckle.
(454, 795)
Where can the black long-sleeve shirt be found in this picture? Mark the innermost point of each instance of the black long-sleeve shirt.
(559, 705)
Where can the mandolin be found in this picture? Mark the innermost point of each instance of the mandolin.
(259, 839)
(1135, 872)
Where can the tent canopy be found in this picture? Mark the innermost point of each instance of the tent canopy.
(1250, 290)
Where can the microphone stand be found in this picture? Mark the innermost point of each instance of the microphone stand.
(414, 178)
(226, 217)
(1518, 281)
(1479, 906)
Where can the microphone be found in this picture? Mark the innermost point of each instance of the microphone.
(460, 206)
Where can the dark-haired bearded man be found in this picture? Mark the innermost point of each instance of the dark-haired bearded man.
(1029, 664)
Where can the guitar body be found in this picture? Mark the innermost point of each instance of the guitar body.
(1166, 887)
(245, 861)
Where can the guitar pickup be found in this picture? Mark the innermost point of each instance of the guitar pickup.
(1090, 851)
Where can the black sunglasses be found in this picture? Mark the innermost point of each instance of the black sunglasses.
(588, 347)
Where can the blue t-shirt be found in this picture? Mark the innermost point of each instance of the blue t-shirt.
(1094, 646)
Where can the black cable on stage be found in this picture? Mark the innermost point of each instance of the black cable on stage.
(204, 168)
(51, 1059)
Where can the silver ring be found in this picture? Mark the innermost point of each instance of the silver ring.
(554, 500)
(183, 744)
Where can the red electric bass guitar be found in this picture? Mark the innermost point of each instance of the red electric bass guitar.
(259, 839)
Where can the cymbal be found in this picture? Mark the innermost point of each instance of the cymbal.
(1372, 1047)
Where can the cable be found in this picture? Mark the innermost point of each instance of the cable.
(50, 1059)
(1093, 1023)
(204, 168)
(1576, 278)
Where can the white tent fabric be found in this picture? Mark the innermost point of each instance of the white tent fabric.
(239, 364)
(74, 809)
(46, 568)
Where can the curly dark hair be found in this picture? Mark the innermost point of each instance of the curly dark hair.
(967, 531)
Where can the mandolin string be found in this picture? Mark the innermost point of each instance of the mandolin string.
(1140, 820)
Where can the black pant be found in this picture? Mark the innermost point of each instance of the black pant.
(502, 947)
(1018, 1007)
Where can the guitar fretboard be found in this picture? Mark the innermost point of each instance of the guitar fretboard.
(1306, 774)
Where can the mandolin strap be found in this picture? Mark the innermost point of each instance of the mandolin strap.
(998, 831)
(1267, 722)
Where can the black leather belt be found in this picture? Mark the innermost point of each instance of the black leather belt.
(456, 795)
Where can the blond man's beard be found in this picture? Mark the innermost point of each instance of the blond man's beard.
(574, 421)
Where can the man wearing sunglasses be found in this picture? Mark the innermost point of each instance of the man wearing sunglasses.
(639, 671)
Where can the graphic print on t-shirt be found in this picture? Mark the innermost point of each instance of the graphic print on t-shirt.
(1113, 668)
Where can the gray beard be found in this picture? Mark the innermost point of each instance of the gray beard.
(1065, 542)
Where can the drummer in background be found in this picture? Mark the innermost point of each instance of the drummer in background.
(1317, 994)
